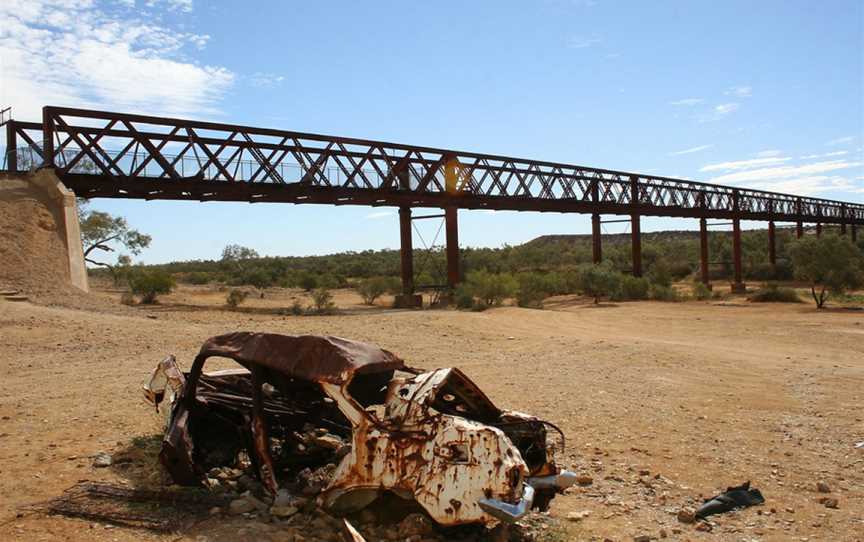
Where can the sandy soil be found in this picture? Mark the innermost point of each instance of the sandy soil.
(663, 403)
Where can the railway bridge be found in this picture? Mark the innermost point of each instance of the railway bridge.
(118, 155)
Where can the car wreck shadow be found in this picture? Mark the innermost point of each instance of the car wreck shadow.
(138, 463)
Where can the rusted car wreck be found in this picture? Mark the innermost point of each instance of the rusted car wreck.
(303, 402)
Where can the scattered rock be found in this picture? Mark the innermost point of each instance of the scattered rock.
(704, 526)
(578, 516)
(329, 441)
(822, 487)
(829, 502)
(414, 524)
(584, 480)
(102, 460)
(283, 511)
(241, 506)
(686, 516)
(642, 538)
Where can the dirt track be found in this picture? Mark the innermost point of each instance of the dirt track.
(703, 395)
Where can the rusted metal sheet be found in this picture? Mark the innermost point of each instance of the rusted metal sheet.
(309, 357)
(432, 437)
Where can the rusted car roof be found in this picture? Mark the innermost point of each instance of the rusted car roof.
(309, 357)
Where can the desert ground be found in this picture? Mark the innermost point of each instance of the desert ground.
(663, 404)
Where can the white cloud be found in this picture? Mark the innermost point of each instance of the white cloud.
(840, 141)
(582, 42)
(73, 53)
(768, 154)
(739, 92)
(687, 101)
(265, 80)
(718, 112)
(784, 173)
(744, 164)
(379, 214)
(691, 150)
(171, 5)
(825, 155)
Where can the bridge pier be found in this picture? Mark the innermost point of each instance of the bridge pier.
(818, 229)
(596, 247)
(738, 286)
(636, 244)
(703, 252)
(11, 147)
(452, 231)
(799, 230)
(854, 228)
(842, 228)
(407, 299)
(772, 244)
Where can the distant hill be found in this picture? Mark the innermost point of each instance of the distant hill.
(613, 238)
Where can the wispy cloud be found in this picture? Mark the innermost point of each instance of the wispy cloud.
(718, 112)
(771, 153)
(691, 150)
(825, 155)
(840, 141)
(739, 92)
(784, 172)
(379, 214)
(265, 80)
(582, 42)
(77, 52)
(744, 164)
(171, 5)
(688, 101)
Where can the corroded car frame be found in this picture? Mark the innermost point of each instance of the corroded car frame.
(432, 437)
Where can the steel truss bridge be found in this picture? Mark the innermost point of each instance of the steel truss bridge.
(118, 155)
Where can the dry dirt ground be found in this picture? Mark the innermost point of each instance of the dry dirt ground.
(663, 403)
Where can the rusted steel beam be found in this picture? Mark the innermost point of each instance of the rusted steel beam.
(703, 251)
(772, 246)
(738, 284)
(596, 246)
(452, 232)
(11, 146)
(261, 440)
(406, 250)
(342, 163)
(636, 245)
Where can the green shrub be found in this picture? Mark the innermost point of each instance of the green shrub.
(772, 293)
(235, 297)
(491, 288)
(297, 309)
(632, 289)
(322, 299)
(598, 281)
(533, 289)
(463, 297)
(150, 284)
(373, 288)
(660, 274)
(308, 281)
(701, 292)
(663, 293)
(198, 278)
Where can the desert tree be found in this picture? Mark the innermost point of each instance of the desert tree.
(101, 231)
(830, 264)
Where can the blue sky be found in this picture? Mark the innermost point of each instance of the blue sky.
(759, 94)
